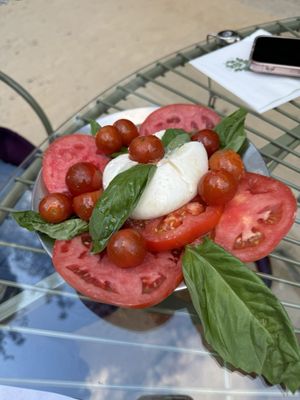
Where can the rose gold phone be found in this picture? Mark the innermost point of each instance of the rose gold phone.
(276, 55)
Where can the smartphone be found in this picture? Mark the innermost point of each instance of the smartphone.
(276, 55)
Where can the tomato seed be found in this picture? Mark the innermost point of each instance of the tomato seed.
(149, 285)
(252, 241)
(86, 240)
(195, 208)
(270, 216)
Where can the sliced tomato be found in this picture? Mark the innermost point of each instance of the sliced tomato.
(65, 152)
(178, 228)
(257, 218)
(190, 117)
(98, 278)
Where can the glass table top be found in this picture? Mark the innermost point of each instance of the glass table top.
(53, 339)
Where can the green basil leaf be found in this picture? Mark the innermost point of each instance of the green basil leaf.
(242, 319)
(231, 131)
(65, 230)
(174, 138)
(117, 202)
(95, 126)
(178, 141)
(123, 150)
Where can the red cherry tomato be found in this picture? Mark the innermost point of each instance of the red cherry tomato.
(217, 187)
(55, 207)
(257, 218)
(95, 276)
(127, 129)
(146, 149)
(84, 204)
(209, 139)
(229, 161)
(108, 139)
(126, 248)
(83, 177)
(178, 228)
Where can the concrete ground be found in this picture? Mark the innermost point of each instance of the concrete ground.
(65, 52)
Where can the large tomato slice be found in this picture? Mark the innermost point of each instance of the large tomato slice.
(178, 228)
(257, 218)
(190, 117)
(96, 277)
(63, 153)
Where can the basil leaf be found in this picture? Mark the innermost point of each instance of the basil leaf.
(242, 319)
(117, 202)
(174, 138)
(123, 150)
(65, 230)
(178, 141)
(231, 131)
(94, 127)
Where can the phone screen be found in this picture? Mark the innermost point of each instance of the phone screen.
(276, 50)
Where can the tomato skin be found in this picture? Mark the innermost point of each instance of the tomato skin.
(257, 218)
(127, 129)
(84, 204)
(55, 207)
(228, 160)
(83, 177)
(108, 139)
(209, 139)
(178, 228)
(146, 149)
(217, 187)
(126, 248)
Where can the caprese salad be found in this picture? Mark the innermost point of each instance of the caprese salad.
(141, 195)
(136, 210)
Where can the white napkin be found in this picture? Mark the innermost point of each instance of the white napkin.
(15, 393)
(261, 92)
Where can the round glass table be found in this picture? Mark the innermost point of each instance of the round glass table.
(55, 340)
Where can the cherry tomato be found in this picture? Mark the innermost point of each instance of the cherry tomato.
(84, 204)
(108, 139)
(209, 139)
(217, 187)
(127, 130)
(83, 177)
(146, 149)
(55, 207)
(126, 248)
(178, 228)
(257, 218)
(228, 160)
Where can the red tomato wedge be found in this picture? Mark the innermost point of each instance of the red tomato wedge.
(178, 228)
(96, 277)
(257, 218)
(190, 117)
(65, 152)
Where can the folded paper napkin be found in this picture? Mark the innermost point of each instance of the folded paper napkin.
(228, 66)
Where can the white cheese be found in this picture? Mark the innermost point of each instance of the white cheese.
(174, 183)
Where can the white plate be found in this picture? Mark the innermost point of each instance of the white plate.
(252, 159)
